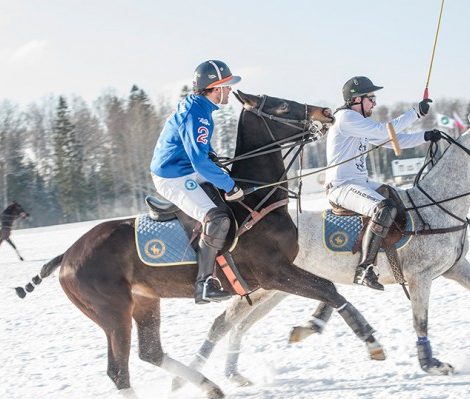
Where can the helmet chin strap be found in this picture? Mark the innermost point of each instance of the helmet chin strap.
(362, 107)
(221, 96)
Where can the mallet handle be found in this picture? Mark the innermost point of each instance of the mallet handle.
(393, 136)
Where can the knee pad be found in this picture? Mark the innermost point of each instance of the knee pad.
(384, 213)
(215, 228)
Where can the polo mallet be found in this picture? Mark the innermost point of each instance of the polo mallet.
(426, 90)
(393, 138)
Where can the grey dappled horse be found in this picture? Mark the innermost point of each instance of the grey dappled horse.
(424, 258)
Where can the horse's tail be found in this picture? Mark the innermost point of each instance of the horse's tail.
(46, 271)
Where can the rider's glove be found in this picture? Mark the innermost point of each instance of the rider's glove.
(423, 107)
(235, 194)
(432, 135)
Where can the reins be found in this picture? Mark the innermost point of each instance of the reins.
(427, 230)
(253, 189)
(310, 131)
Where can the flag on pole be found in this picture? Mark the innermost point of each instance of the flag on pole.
(458, 121)
(445, 121)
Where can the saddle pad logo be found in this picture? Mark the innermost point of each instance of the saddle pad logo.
(338, 239)
(202, 134)
(155, 249)
(190, 184)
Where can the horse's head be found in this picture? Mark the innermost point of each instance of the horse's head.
(17, 210)
(287, 118)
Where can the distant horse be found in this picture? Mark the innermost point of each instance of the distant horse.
(9, 215)
(438, 206)
(103, 276)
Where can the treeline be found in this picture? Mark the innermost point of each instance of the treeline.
(66, 160)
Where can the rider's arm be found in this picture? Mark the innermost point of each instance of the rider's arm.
(354, 124)
(196, 136)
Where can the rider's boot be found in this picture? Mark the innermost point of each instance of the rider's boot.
(376, 231)
(216, 227)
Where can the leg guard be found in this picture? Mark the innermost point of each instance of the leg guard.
(215, 229)
(356, 321)
(377, 229)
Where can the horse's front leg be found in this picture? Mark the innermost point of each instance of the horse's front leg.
(420, 289)
(239, 330)
(233, 314)
(297, 281)
(315, 326)
(14, 247)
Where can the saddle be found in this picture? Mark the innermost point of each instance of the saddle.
(395, 233)
(162, 210)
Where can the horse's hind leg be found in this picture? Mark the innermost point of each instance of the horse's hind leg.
(112, 311)
(9, 241)
(460, 273)
(147, 317)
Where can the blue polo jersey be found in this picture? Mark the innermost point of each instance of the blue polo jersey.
(185, 141)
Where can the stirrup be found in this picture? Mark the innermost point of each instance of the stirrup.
(366, 276)
(216, 295)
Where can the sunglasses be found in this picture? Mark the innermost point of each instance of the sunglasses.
(371, 98)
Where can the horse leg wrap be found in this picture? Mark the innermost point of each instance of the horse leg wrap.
(321, 317)
(203, 354)
(356, 321)
(426, 360)
(231, 363)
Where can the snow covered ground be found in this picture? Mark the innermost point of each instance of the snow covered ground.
(51, 350)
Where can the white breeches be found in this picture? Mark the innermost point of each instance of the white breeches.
(357, 197)
(186, 193)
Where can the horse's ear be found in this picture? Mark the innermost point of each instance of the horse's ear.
(238, 95)
(247, 99)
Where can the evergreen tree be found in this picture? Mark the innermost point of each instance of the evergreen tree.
(185, 90)
(68, 166)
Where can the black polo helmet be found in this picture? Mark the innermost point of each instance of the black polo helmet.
(213, 73)
(358, 86)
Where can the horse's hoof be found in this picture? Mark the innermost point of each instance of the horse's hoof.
(238, 380)
(376, 352)
(20, 292)
(299, 333)
(177, 383)
(215, 393)
(441, 369)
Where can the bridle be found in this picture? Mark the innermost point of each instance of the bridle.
(305, 125)
(427, 230)
(309, 131)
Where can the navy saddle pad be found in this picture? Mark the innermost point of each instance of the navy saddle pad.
(340, 232)
(163, 243)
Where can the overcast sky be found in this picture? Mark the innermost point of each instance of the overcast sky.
(303, 50)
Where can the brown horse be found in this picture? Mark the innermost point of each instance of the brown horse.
(9, 215)
(103, 276)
